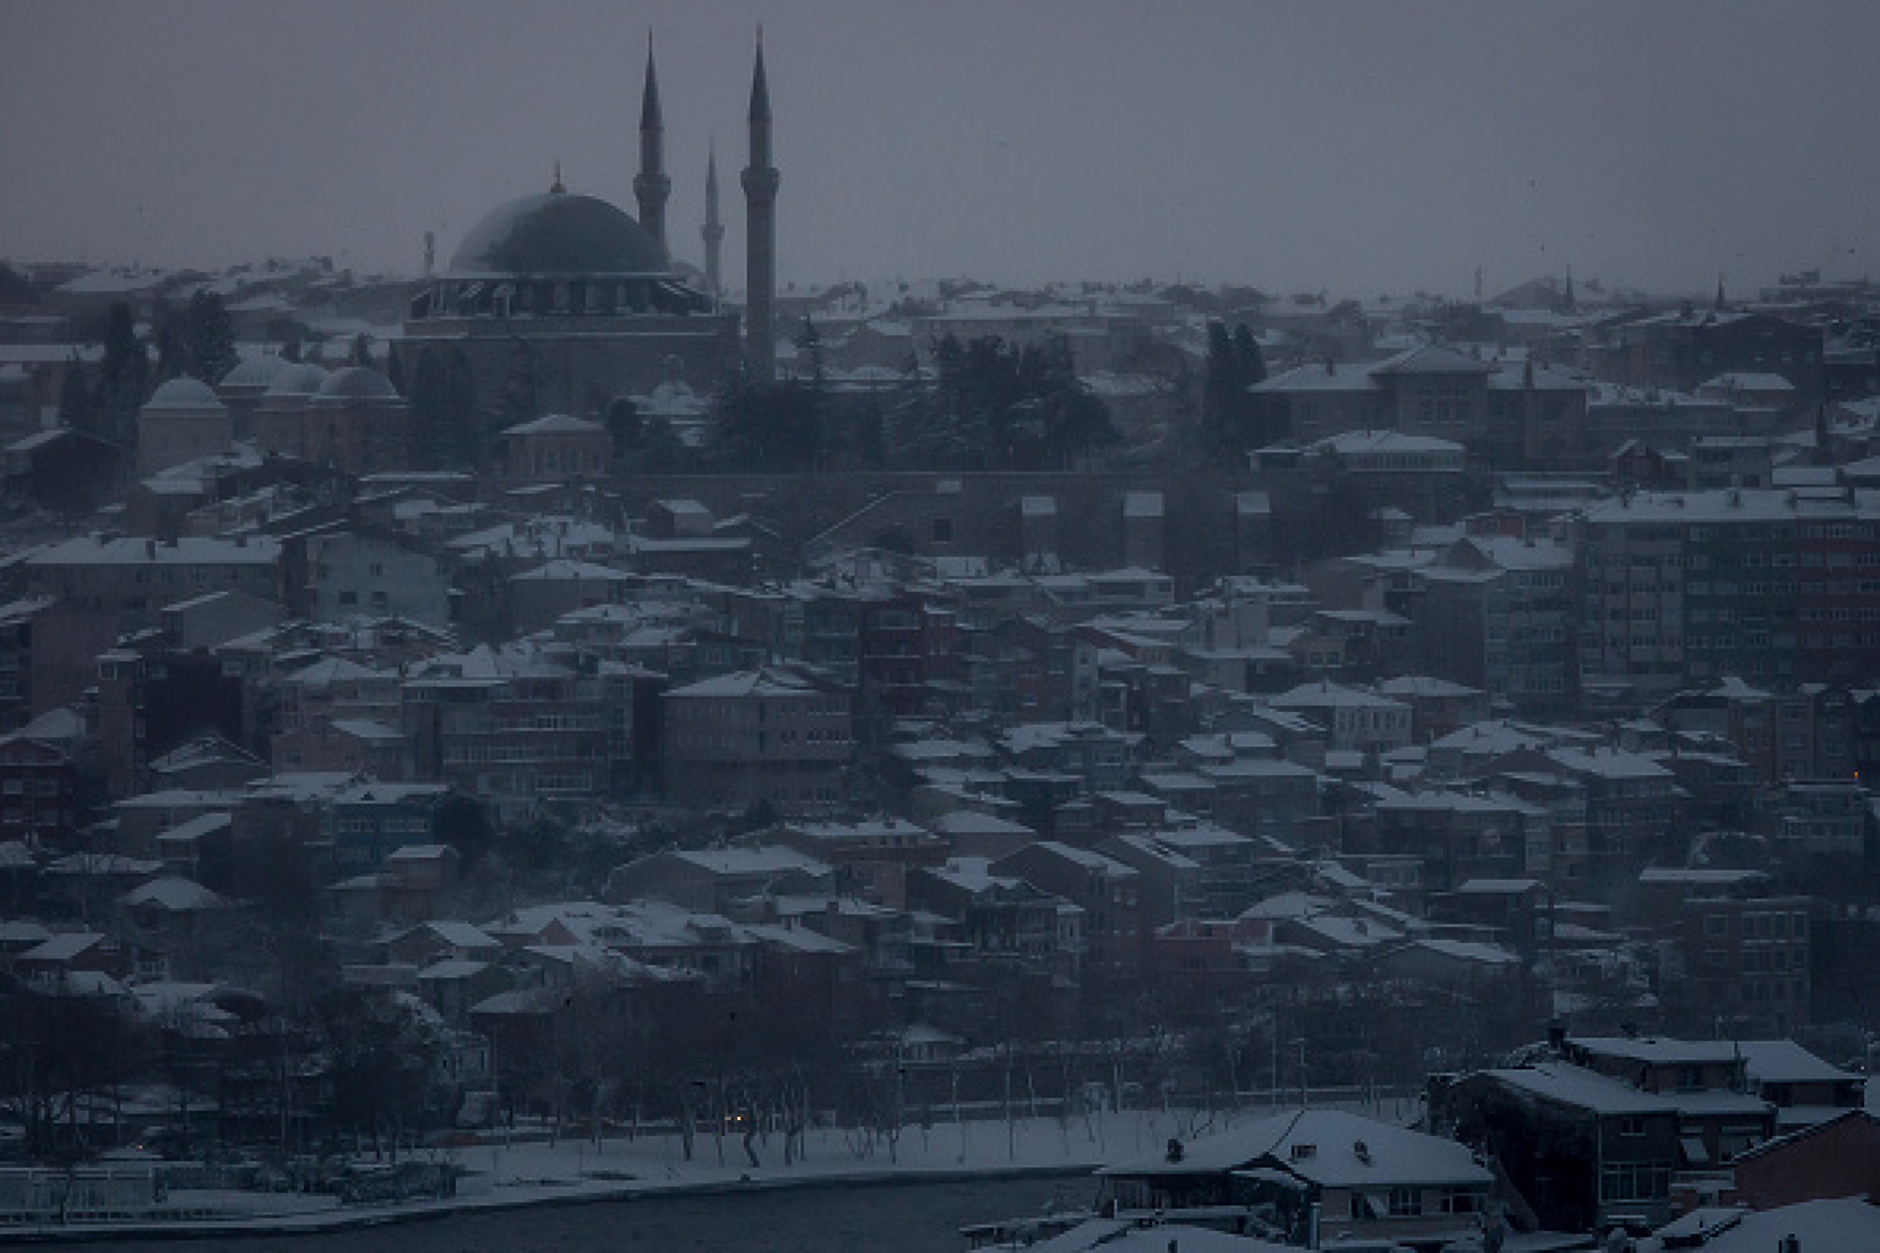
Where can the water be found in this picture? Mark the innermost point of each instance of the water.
(881, 1218)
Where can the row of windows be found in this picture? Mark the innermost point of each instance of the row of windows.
(1761, 924)
(462, 754)
(1791, 990)
(1634, 1181)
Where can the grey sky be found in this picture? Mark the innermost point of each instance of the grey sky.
(1360, 147)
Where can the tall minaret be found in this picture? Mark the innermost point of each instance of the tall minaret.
(760, 245)
(714, 230)
(650, 185)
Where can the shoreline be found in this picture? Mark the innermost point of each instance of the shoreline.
(541, 1192)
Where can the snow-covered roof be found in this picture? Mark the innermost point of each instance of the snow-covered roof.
(1567, 1084)
(1659, 1050)
(1728, 506)
(173, 894)
(1426, 686)
(1331, 1148)
(1785, 1061)
(457, 934)
(258, 550)
(763, 860)
(556, 424)
(63, 947)
(1845, 1223)
(1607, 763)
(746, 683)
(1325, 694)
(1747, 381)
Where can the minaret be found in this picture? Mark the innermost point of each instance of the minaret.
(760, 180)
(650, 185)
(714, 230)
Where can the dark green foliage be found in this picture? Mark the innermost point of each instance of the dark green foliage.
(462, 823)
(1230, 415)
(766, 427)
(381, 1055)
(1247, 354)
(463, 435)
(124, 382)
(996, 406)
(430, 410)
(15, 287)
(809, 352)
(75, 398)
(443, 411)
(197, 340)
(624, 426)
(521, 387)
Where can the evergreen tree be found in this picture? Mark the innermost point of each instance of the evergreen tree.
(1247, 353)
(661, 451)
(197, 339)
(430, 411)
(766, 427)
(994, 406)
(75, 398)
(1229, 412)
(1220, 390)
(463, 434)
(166, 334)
(809, 355)
(209, 338)
(624, 426)
(124, 381)
(908, 425)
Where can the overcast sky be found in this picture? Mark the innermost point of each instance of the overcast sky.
(1356, 147)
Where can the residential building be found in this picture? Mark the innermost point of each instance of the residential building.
(758, 737)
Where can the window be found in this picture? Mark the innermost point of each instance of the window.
(1635, 1181)
(1406, 1202)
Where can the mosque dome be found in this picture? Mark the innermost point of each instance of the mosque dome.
(254, 374)
(354, 384)
(302, 378)
(558, 233)
(183, 392)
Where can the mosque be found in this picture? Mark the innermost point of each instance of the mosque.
(560, 302)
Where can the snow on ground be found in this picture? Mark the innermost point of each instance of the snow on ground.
(533, 1171)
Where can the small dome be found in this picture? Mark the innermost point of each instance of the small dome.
(254, 373)
(357, 382)
(558, 233)
(183, 392)
(302, 378)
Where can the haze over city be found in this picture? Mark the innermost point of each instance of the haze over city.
(1355, 147)
(1224, 626)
